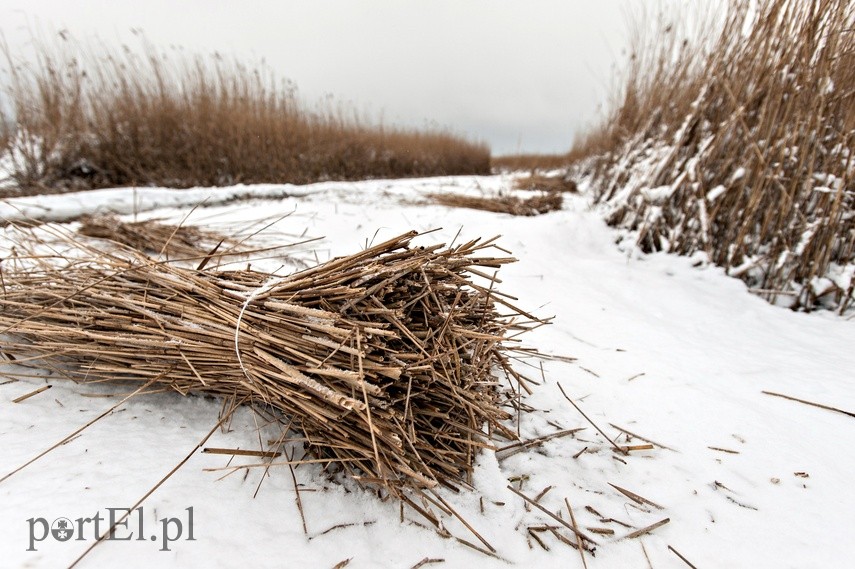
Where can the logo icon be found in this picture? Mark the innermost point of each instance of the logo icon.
(62, 529)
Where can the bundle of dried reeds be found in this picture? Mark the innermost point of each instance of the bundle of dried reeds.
(154, 237)
(535, 205)
(385, 359)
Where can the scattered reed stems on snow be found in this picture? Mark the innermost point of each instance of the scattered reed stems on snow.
(741, 145)
(386, 359)
(153, 237)
(88, 116)
(530, 162)
(535, 205)
(541, 183)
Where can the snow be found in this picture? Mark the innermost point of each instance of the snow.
(658, 195)
(676, 353)
(716, 193)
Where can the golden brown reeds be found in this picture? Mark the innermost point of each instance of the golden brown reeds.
(741, 144)
(541, 183)
(535, 205)
(144, 117)
(6, 132)
(153, 237)
(384, 359)
(529, 162)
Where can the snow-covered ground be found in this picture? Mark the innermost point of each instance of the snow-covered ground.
(674, 353)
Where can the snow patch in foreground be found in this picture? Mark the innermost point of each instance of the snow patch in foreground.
(673, 353)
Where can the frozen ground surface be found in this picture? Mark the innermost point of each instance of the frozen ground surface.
(677, 354)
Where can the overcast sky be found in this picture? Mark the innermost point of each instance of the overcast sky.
(522, 76)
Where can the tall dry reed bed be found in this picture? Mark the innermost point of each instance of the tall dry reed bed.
(740, 145)
(84, 117)
(385, 360)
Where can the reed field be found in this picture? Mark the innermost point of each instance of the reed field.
(84, 117)
(739, 144)
(476, 366)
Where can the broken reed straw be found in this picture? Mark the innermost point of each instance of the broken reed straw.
(31, 393)
(384, 359)
(181, 241)
(811, 403)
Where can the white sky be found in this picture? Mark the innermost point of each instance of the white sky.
(522, 75)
